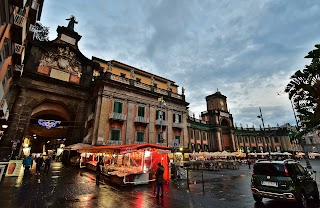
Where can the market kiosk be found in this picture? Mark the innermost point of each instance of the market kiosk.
(128, 164)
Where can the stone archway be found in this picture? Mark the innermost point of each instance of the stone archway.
(42, 134)
(226, 135)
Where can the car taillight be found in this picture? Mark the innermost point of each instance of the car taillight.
(286, 171)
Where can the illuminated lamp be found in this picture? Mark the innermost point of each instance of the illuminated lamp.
(4, 126)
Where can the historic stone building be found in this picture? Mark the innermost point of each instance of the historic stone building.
(64, 97)
(17, 22)
(215, 131)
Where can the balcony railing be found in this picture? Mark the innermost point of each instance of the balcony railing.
(18, 48)
(140, 119)
(162, 144)
(177, 125)
(114, 142)
(136, 142)
(19, 20)
(143, 86)
(164, 122)
(120, 79)
(118, 116)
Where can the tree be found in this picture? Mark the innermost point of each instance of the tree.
(304, 91)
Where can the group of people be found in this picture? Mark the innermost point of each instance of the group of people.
(28, 162)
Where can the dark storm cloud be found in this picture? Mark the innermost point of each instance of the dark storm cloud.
(247, 49)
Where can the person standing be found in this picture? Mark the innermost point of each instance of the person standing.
(249, 163)
(159, 179)
(47, 164)
(99, 167)
(27, 164)
(39, 162)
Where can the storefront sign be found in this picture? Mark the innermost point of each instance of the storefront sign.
(14, 168)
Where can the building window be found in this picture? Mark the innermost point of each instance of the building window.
(259, 140)
(177, 137)
(204, 136)
(276, 139)
(115, 134)
(190, 134)
(246, 139)
(123, 75)
(197, 134)
(176, 118)
(252, 140)
(140, 136)
(240, 140)
(158, 116)
(117, 107)
(159, 140)
(141, 111)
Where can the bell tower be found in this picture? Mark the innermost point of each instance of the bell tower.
(217, 101)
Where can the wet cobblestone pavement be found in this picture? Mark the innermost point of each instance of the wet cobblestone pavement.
(73, 187)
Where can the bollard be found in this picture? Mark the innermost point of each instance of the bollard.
(202, 182)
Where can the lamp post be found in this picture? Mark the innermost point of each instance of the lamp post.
(264, 132)
(162, 103)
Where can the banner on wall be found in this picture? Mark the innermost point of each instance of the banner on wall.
(14, 168)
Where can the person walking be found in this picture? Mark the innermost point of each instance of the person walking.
(159, 179)
(27, 164)
(99, 167)
(47, 164)
(39, 162)
(249, 163)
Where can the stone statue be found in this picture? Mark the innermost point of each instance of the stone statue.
(152, 81)
(109, 67)
(132, 74)
(168, 86)
(72, 22)
(183, 90)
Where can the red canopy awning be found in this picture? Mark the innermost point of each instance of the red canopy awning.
(122, 149)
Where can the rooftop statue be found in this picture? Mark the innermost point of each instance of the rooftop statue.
(72, 22)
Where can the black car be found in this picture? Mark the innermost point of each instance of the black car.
(283, 180)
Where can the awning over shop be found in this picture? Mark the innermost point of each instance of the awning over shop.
(77, 146)
(122, 149)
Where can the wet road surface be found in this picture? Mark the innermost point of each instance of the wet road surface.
(73, 187)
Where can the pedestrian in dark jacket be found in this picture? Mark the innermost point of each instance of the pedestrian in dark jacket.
(159, 179)
(249, 162)
(39, 162)
(47, 164)
(27, 164)
(99, 167)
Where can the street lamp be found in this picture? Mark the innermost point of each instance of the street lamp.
(264, 131)
(162, 103)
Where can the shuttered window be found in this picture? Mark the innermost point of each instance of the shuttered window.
(141, 111)
(117, 108)
(115, 134)
(140, 136)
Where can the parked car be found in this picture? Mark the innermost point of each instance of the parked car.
(283, 180)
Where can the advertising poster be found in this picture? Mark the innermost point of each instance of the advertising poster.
(14, 168)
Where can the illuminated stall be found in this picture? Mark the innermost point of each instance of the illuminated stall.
(128, 164)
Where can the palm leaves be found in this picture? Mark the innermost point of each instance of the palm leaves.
(303, 90)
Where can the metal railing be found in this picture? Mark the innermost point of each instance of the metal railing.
(159, 121)
(140, 119)
(177, 125)
(118, 116)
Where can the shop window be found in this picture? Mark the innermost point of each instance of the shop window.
(140, 136)
(117, 107)
(276, 139)
(115, 134)
(158, 115)
(141, 111)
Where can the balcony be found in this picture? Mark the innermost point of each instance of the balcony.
(18, 28)
(162, 144)
(117, 116)
(177, 125)
(114, 142)
(140, 119)
(18, 3)
(159, 121)
(18, 55)
(136, 142)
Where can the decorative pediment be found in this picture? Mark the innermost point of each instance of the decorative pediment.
(64, 60)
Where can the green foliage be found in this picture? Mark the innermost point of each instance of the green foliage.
(303, 90)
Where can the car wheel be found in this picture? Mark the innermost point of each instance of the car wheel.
(303, 200)
(257, 198)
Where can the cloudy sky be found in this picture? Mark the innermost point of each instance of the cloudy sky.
(248, 49)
